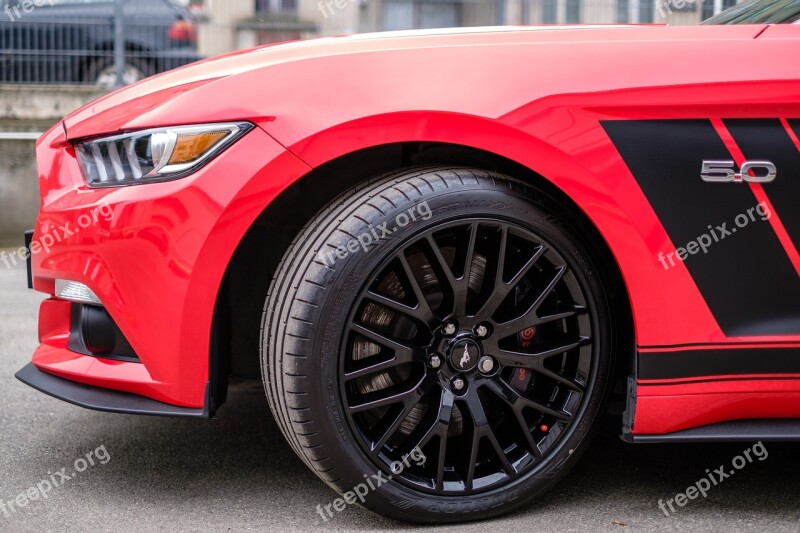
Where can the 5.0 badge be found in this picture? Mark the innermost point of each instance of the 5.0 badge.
(725, 172)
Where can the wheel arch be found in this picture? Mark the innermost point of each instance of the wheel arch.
(239, 306)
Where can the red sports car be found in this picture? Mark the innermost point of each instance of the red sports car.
(445, 252)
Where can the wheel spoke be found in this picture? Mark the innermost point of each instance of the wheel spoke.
(440, 266)
(555, 376)
(396, 422)
(439, 424)
(533, 447)
(441, 462)
(390, 396)
(437, 428)
(501, 454)
(461, 288)
(480, 422)
(501, 257)
(531, 360)
(378, 367)
(501, 287)
(473, 459)
(517, 401)
(400, 350)
(555, 317)
(530, 316)
(482, 429)
(422, 311)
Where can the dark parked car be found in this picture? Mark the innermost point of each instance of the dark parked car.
(760, 12)
(72, 41)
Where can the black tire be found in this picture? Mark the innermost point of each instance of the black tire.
(305, 348)
(95, 71)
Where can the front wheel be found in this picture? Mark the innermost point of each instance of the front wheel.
(436, 345)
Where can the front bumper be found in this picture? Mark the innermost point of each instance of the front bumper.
(99, 399)
(156, 263)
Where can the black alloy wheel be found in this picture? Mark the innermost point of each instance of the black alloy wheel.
(472, 344)
(473, 337)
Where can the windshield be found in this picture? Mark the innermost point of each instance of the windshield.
(760, 12)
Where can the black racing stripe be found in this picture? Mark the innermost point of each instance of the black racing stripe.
(746, 278)
(767, 139)
(719, 379)
(711, 345)
(708, 363)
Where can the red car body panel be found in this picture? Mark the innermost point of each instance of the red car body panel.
(153, 264)
(538, 97)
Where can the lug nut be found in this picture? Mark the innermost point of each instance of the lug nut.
(481, 331)
(486, 364)
(449, 328)
(458, 384)
(435, 361)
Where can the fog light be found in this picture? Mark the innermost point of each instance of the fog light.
(97, 330)
(73, 291)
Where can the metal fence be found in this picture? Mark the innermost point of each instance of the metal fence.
(108, 43)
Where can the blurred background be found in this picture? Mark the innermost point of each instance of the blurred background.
(56, 55)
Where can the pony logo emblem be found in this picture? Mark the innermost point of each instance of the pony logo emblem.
(465, 359)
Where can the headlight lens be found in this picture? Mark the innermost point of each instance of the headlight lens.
(154, 155)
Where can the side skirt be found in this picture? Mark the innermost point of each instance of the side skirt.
(737, 431)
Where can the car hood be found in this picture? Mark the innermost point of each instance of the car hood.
(126, 108)
(231, 87)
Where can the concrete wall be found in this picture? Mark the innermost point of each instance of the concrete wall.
(26, 110)
(18, 191)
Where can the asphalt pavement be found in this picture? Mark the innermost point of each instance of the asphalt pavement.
(123, 473)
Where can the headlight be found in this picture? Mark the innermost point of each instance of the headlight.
(154, 155)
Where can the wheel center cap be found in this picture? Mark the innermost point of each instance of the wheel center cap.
(464, 355)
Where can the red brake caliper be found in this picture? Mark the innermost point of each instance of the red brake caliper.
(521, 378)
